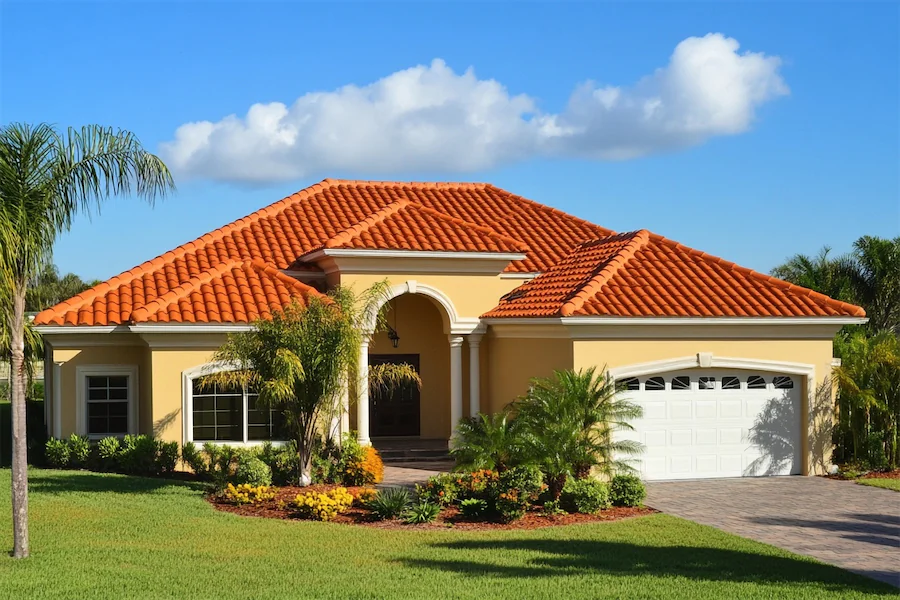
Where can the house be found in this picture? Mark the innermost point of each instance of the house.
(488, 289)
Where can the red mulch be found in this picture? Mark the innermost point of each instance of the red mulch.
(450, 517)
(895, 474)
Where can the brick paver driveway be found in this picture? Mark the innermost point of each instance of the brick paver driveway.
(839, 522)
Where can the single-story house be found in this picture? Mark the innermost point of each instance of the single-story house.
(488, 289)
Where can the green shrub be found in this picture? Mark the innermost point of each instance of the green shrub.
(552, 508)
(57, 453)
(512, 492)
(473, 508)
(253, 471)
(193, 457)
(79, 451)
(389, 503)
(352, 456)
(166, 457)
(421, 512)
(440, 489)
(108, 451)
(139, 455)
(586, 496)
(221, 463)
(627, 490)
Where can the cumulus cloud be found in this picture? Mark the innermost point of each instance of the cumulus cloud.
(429, 118)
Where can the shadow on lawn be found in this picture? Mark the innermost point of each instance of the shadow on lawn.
(565, 557)
(86, 481)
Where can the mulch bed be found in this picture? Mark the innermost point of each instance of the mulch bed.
(450, 517)
(870, 475)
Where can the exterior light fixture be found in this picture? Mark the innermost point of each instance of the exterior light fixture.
(393, 336)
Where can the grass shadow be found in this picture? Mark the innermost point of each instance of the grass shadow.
(62, 482)
(562, 558)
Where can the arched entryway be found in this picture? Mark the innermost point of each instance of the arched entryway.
(426, 332)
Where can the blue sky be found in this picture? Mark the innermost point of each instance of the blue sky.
(807, 154)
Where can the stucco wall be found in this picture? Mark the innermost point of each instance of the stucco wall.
(512, 362)
(167, 419)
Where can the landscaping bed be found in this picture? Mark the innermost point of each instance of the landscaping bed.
(450, 517)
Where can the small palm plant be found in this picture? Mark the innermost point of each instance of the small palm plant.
(570, 419)
(301, 359)
(495, 442)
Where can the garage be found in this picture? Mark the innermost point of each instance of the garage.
(715, 423)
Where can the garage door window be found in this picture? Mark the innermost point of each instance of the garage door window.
(731, 383)
(755, 382)
(681, 383)
(631, 383)
(783, 383)
(707, 383)
(655, 384)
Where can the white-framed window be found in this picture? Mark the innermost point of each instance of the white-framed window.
(226, 415)
(106, 400)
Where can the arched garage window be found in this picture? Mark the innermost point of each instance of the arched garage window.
(230, 414)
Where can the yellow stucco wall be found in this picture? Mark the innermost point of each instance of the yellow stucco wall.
(167, 366)
(512, 362)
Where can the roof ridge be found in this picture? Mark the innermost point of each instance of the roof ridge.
(87, 296)
(638, 240)
(547, 208)
(268, 269)
(419, 184)
(786, 285)
(342, 237)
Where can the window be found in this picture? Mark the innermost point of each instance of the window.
(230, 414)
(681, 383)
(107, 405)
(755, 382)
(731, 383)
(783, 383)
(631, 383)
(707, 383)
(655, 384)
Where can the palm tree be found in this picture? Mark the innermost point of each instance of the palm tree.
(821, 273)
(873, 273)
(494, 442)
(570, 419)
(48, 288)
(46, 178)
(301, 359)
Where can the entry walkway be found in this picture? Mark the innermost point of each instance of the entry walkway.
(409, 474)
(839, 522)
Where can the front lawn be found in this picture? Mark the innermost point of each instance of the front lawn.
(888, 484)
(112, 536)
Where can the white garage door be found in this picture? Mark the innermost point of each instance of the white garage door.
(716, 423)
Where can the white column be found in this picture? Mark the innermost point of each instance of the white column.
(456, 382)
(362, 391)
(57, 399)
(474, 375)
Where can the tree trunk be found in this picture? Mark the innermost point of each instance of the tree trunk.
(556, 484)
(304, 456)
(19, 445)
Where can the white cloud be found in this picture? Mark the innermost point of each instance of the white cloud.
(429, 118)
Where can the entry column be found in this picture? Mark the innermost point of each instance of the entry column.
(456, 382)
(474, 375)
(362, 394)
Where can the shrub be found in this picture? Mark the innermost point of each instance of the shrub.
(220, 462)
(284, 463)
(323, 506)
(79, 451)
(139, 455)
(440, 489)
(389, 503)
(421, 512)
(166, 457)
(511, 505)
(252, 471)
(360, 465)
(552, 508)
(244, 493)
(512, 492)
(473, 508)
(364, 496)
(109, 450)
(193, 458)
(528, 480)
(627, 490)
(586, 496)
(57, 453)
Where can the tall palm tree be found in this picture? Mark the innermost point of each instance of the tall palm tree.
(570, 419)
(49, 288)
(46, 178)
(821, 273)
(873, 272)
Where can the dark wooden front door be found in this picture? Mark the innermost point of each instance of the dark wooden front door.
(396, 411)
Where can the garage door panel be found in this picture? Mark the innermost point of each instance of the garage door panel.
(711, 431)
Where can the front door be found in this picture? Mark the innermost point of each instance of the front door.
(394, 411)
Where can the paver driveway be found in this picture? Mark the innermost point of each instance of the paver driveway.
(839, 522)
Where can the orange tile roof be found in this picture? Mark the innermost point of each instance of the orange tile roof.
(640, 274)
(207, 279)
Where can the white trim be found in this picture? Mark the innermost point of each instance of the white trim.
(57, 399)
(82, 372)
(217, 328)
(453, 323)
(519, 275)
(56, 329)
(700, 359)
(675, 321)
(350, 253)
(836, 362)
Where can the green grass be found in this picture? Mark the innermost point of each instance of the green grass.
(888, 484)
(111, 536)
